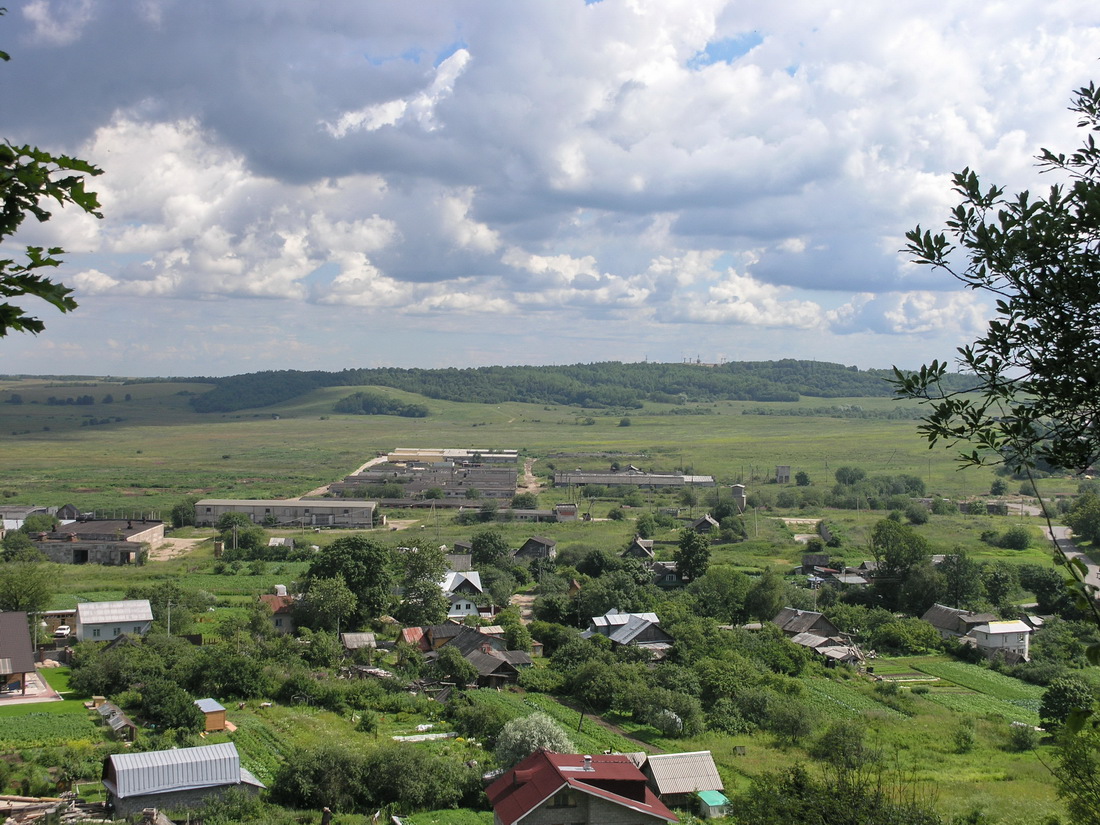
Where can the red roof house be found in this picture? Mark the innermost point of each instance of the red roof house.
(580, 789)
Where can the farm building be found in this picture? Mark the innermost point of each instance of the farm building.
(632, 477)
(181, 778)
(676, 777)
(335, 512)
(113, 542)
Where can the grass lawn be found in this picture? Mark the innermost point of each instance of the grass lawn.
(56, 677)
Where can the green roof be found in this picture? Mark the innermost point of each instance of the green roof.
(713, 798)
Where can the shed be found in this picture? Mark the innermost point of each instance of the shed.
(214, 713)
(674, 777)
(713, 804)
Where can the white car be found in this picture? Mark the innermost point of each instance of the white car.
(63, 632)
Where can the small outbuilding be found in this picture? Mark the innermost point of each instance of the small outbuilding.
(713, 804)
(214, 713)
(16, 652)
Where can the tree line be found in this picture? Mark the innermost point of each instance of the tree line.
(607, 384)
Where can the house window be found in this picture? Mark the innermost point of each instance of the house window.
(278, 623)
(564, 799)
(95, 633)
(116, 631)
(137, 628)
(267, 509)
(209, 510)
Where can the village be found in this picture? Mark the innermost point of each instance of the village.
(382, 611)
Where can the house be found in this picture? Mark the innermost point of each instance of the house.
(16, 652)
(214, 713)
(537, 547)
(666, 575)
(952, 622)
(676, 777)
(1009, 638)
(582, 790)
(704, 524)
(793, 621)
(282, 611)
(462, 591)
(639, 549)
(104, 621)
(182, 778)
(634, 629)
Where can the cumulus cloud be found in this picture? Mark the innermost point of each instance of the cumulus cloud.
(682, 164)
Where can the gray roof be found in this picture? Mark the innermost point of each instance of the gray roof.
(139, 774)
(16, 652)
(355, 641)
(674, 773)
(134, 610)
(208, 705)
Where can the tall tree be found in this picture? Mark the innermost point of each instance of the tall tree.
(692, 554)
(898, 549)
(328, 603)
(488, 546)
(26, 583)
(365, 566)
(962, 577)
(422, 601)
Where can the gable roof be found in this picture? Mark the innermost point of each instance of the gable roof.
(131, 610)
(453, 580)
(15, 643)
(953, 619)
(280, 605)
(355, 641)
(138, 774)
(674, 773)
(793, 621)
(542, 774)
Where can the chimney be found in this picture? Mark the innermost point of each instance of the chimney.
(587, 762)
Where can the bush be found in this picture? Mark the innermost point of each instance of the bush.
(1023, 738)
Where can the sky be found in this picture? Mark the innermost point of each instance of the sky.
(365, 183)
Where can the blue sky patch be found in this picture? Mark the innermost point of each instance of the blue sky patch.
(726, 50)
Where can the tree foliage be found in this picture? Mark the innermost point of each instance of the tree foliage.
(29, 177)
(364, 565)
(692, 554)
(1036, 366)
(521, 737)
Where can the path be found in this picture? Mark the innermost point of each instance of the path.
(530, 481)
(1062, 538)
(803, 538)
(524, 602)
(320, 491)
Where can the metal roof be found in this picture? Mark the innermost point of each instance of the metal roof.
(15, 643)
(208, 705)
(138, 774)
(683, 772)
(134, 610)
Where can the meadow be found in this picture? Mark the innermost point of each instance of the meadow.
(161, 451)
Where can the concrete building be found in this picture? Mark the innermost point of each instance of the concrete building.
(327, 512)
(632, 476)
(101, 541)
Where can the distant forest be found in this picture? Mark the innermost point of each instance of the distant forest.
(608, 385)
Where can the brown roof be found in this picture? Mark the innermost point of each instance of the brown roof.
(280, 605)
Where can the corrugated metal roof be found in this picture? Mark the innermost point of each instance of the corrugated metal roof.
(683, 772)
(208, 705)
(137, 774)
(133, 610)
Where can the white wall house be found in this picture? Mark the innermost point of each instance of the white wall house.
(104, 621)
(1013, 636)
(461, 590)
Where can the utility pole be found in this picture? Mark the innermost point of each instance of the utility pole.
(170, 615)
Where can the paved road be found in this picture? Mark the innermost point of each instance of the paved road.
(1062, 536)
